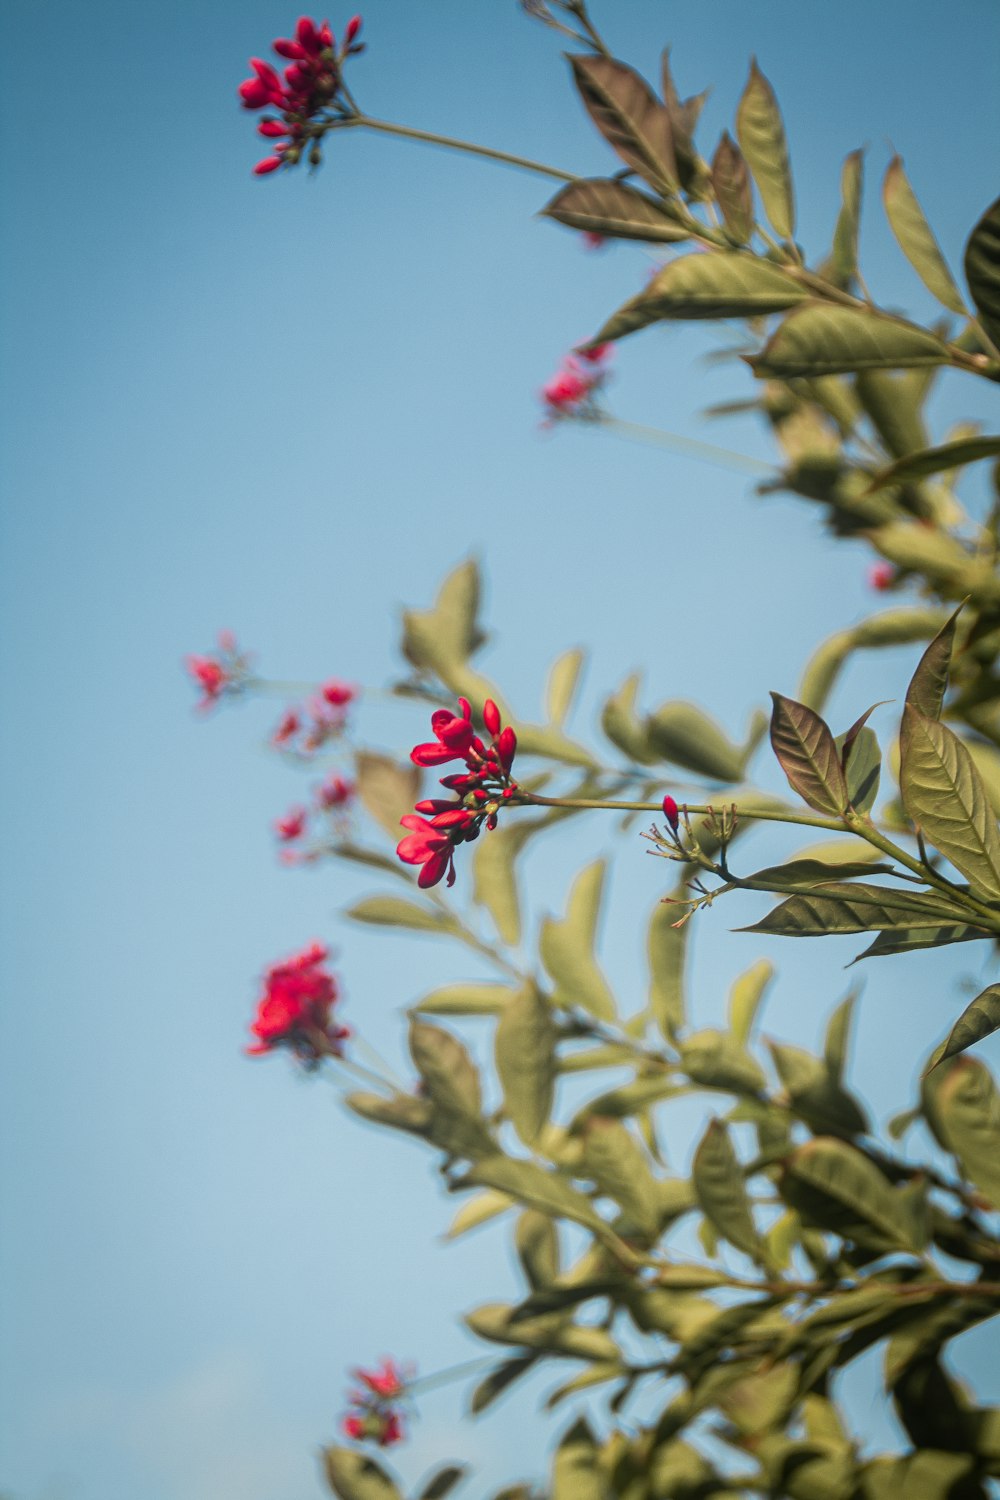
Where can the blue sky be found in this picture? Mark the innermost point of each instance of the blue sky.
(288, 407)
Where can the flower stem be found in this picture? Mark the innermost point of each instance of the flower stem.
(408, 132)
(767, 815)
(708, 453)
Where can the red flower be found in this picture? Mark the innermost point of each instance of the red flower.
(670, 812)
(209, 675)
(572, 391)
(335, 792)
(287, 729)
(294, 1009)
(307, 97)
(882, 576)
(376, 1419)
(291, 826)
(221, 675)
(338, 694)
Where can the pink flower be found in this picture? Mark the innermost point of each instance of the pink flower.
(210, 676)
(573, 390)
(222, 674)
(294, 1009)
(882, 576)
(338, 694)
(292, 825)
(335, 792)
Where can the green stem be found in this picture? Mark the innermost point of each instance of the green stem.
(453, 1372)
(865, 829)
(708, 453)
(764, 815)
(408, 132)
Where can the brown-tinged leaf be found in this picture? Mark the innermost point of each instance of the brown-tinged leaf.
(861, 758)
(982, 270)
(387, 790)
(629, 116)
(808, 756)
(944, 794)
(722, 1196)
(733, 193)
(525, 1059)
(721, 284)
(761, 134)
(913, 939)
(930, 680)
(602, 205)
(939, 460)
(916, 239)
(821, 339)
(807, 874)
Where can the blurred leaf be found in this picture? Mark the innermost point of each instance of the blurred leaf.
(448, 633)
(762, 1400)
(935, 461)
(930, 680)
(980, 1018)
(916, 240)
(525, 1060)
(982, 270)
(733, 193)
(393, 911)
(863, 769)
(665, 949)
(494, 877)
(931, 1330)
(597, 1374)
(618, 1165)
(820, 339)
(927, 1475)
(816, 1095)
(549, 741)
(718, 284)
(536, 1187)
(623, 726)
(401, 1111)
(722, 1197)
(451, 1080)
(387, 790)
(808, 756)
(373, 859)
(550, 1333)
(443, 1482)
(537, 1243)
(567, 948)
(564, 679)
(715, 1060)
(859, 1201)
(855, 908)
(941, 558)
(944, 795)
(355, 1476)
(478, 1210)
(684, 115)
(838, 1033)
(466, 999)
(602, 205)
(844, 255)
(745, 998)
(962, 1106)
(761, 134)
(684, 735)
(629, 116)
(575, 1469)
(492, 1387)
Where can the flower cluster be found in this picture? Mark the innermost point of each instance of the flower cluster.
(378, 1418)
(294, 1009)
(333, 797)
(573, 390)
(303, 731)
(479, 793)
(223, 674)
(309, 85)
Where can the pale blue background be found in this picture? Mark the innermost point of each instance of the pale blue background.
(288, 407)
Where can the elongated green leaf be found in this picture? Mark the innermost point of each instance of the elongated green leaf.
(935, 461)
(807, 874)
(564, 679)
(451, 1081)
(629, 116)
(616, 1162)
(602, 205)
(717, 1061)
(916, 240)
(863, 768)
(722, 1196)
(733, 193)
(893, 408)
(808, 756)
(494, 877)
(745, 999)
(465, 999)
(478, 1210)
(354, 1476)
(500, 1378)
(929, 682)
(681, 733)
(537, 1243)
(496, 1322)
(623, 727)
(443, 1482)
(944, 795)
(816, 1095)
(400, 1111)
(980, 1018)
(819, 339)
(575, 1471)
(761, 134)
(535, 1187)
(913, 939)
(982, 270)
(855, 908)
(446, 635)
(666, 947)
(567, 948)
(598, 1374)
(838, 1032)
(387, 790)
(718, 285)
(394, 911)
(525, 1058)
(961, 1101)
(830, 1169)
(844, 256)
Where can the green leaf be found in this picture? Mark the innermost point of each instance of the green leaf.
(719, 284)
(980, 1018)
(535, 1187)
(929, 682)
(498, 1380)
(855, 908)
(837, 1037)
(443, 1482)
(537, 1243)
(844, 255)
(924, 1475)
(598, 1374)
(864, 1206)
(916, 240)
(494, 877)
(888, 400)
(807, 874)
(944, 795)
(716, 1060)
(681, 733)
(819, 339)
(575, 1470)
(616, 1162)
(938, 460)
(761, 135)
(394, 911)
(963, 1107)
(763, 1399)
(386, 789)
(629, 116)
(478, 1210)
(564, 679)
(465, 999)
(864, 767)
(355, 1476)
(982, 270)
(666, 947)
(910, 940)
(745, 998)
(623, 726)
(731, 185)
(451, 1081)
(525, 1059)
(602, 205)
(808, 755)
(816, 1095)
(446, 635)
(722, 1197)
(567, 948)
(931, 1330)
(496, 1322)
(400, 1111)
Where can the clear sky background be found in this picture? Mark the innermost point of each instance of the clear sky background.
(288, 407)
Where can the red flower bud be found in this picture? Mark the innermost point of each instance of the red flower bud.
(286, 48)
(352, 28)
(491, 717)
(273, 129)
(670, 812)
(269, 164)
(507, 747)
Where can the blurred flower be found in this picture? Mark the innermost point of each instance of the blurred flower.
(335, 792)
(592, 240)
(308, 90)
(882, 576)
(221, 674)
(292, 825)
(287, 729)
(573, 390)
(294, 1009)
(376, 1419)
(338, 694)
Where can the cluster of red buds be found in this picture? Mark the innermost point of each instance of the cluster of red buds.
(294, 1010)
(573, 390)
(479, 792)
(377, 1417)
(220, 675)
(303, 731)
(333, 797)
(308, 90)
